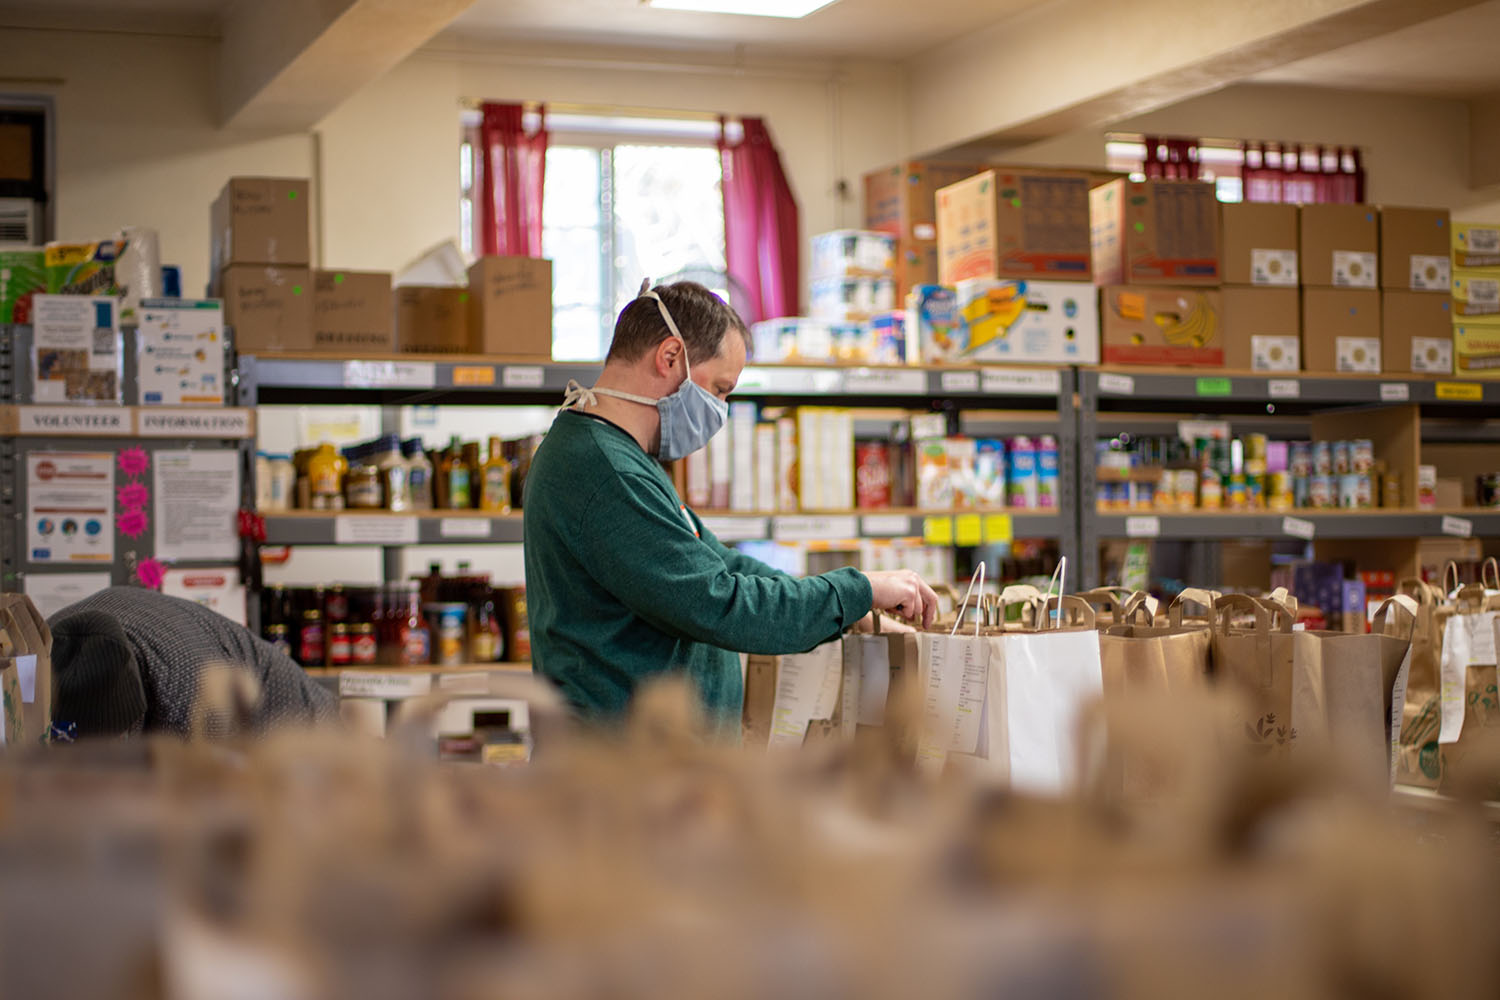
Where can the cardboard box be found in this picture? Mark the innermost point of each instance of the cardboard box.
(1162, 326)
(1475, 244)
(433, 319)
(1340, 246)
(352, 312)
(269, 308)
(1414, 247)
(510, 308)
(1476, 348)
(1014, 224)
(1416, 332)
(1262, 329)
(1260, 244)
(916, 264)
(1476, 293)
(260, 220)
(1155, 233)
(902, 200)
(1050, 322)
(1340, 329)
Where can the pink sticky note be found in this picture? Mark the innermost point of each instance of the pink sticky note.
(133, 522)
(133, 495)
(150, 573)
(133, 461)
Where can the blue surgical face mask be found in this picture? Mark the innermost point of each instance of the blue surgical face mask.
(690, 416)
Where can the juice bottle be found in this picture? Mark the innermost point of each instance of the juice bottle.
(494, 479)
(325, 478)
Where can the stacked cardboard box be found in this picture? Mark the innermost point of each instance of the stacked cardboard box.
(259, 255)
(1155, 250)
(1415, 306)
(1262, 308)
(1476, 298)
(902, 201)
(1340, 273)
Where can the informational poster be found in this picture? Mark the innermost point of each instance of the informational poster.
(51, 592)
(76, 349)
(180, 358)
(218, 589)
(70, 500)
(196, 499)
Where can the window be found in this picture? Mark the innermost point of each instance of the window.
(1247, 170)
(624, 199)
(1219, 160)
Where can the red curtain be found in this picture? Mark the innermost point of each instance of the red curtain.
(512, 165)
(760, 226)
(1171, 159)
(1309, 175)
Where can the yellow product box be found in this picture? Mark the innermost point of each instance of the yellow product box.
(1476, 347)
(1476, 292)
(1476, 244)
(82, 268)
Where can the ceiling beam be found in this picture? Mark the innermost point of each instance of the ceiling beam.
(286, 64)
(1082, 63)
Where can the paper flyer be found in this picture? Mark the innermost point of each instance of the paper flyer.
(180, 359)
(70, 499)
(51, 592)
(196, 503)
(218, 589)
(75, 354)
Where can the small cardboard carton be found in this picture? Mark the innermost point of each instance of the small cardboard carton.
(1416, 332)
(269, 308)
(260, 220)
(1475, 244)
(1414, 248)
(352, 312)
(902, 200)
(1260, 244)
(1476, 293)
(433, 319)
(1015, 224)
(1340, 330)
(1262, 329)
(1162, 326)
(1340, 246)
(1155, 233)
(510, 307)
(1476, 347)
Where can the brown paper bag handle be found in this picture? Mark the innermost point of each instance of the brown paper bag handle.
(1470, 599)
(1068, 606)
(1265, 614)
(1418, 589)
(1106, 599)
(1452, 591)
(1489, 573)
(1139, 609)
(1284, 598)
(1380, 623)
(34, 614)
(1199, 596)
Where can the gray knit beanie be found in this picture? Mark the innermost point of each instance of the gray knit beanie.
(96, 682)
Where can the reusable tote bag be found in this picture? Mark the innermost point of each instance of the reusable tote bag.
(1251, 646)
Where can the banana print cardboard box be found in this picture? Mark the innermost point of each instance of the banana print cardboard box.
(1163, 326)
(1042, 322)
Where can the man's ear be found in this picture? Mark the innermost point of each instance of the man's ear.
(668, 356)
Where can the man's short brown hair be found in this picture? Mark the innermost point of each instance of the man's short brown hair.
(702, 318)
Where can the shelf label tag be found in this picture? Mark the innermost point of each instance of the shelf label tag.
(1148, 526)
(960, 381)
(1119, 385)
(476, 682)
(998, 529)
(1216, 386)
(1298, 527)
(390, 374)
(1002, 381)
(937, 530)
(885, 525)
(1458, 527)
(522, 377)
(464, 527)
(1284, 388)
(373, 529)
(205, 423)
(796, 381)
(737, 529)
(886, 382)
(814, 529)
(1469, 392)
(105, 421)
(473, 375)
(968, 530)
(391, 686)
(1394, 392)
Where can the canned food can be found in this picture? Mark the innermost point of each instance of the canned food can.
(1322, 458)
(1349, 491)
(1362, 456)
(1341, 458)
(1279, 491)
(448, 622)
(1487, 489)
(1238, 495)
(1301, 491)
(1210, 491)
(1301, 461)
(1364, 492)
(1320, 492)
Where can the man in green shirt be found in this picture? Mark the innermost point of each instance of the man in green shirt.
(623, 582)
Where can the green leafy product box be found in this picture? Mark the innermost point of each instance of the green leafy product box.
(22, 275)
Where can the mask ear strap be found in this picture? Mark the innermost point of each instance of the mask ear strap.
(647, 293)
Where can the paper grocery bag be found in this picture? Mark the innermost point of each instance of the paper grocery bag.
(26, 652)
(1418, 761)
(1251, 646)
(1348, 690)
(785, 694)
(1137, 655)
(879, 690)
(1468, 640)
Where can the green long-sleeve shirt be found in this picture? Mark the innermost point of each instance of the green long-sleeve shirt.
(623, 582)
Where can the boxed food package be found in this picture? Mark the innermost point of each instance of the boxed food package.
(932, 323)
(510, 307)
(1340, 329)
(1475, 293)
(851, 299)
(1414, 248)
(1476, 348)
(269, 308)
(260, 220)
(1416, 332)
(888, 339)
(23, 274)
(1475, 244)
(433, 319)
(792, 338)
(1260, 244)
(1262, 329)
(1053, 322)
(902, 200)
(82, 268)
(1155, 233)
(1014, 224)
(934, 481)
(1162, 326)
(852, 253)
(352, 311)
(1340, 246)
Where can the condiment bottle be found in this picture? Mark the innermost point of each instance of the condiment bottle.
(325, 478)
(494, 480)
(418, 474)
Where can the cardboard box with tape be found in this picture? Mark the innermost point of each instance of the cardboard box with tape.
(510, 307)
(1162, 326)
(1340, 246)
(1262, 329)
(269, 308)
(260, 220)
(1155, 233)
(1260, 244)
(1414, 248)
(352, 312)
(433, 319)
(1416, 332)
(1015, 224)
(1341, 330)
(902, 200)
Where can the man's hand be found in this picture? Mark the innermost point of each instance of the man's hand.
(903, 592)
